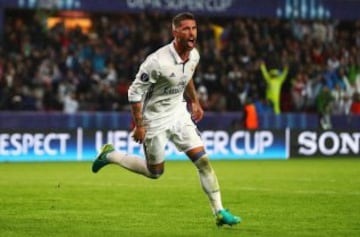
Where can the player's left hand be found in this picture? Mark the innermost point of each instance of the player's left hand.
(139, 134)
(197, 113)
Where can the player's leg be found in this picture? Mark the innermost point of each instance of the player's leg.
(207, 177)
(108, 155)
(152, 166)
(210, 185)
(188, 139)
(154, 150)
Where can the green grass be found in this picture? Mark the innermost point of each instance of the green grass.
(303, 197)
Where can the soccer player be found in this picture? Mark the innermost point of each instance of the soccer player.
(160, 114)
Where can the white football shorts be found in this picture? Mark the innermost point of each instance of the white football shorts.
(182, 133)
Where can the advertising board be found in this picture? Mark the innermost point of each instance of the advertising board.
(324, 143)
(81, 144)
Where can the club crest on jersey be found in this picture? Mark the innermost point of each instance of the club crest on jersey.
(144, 77)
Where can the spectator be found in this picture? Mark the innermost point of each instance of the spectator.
(250, 116)
(263, 106)
(274, 79)
(203, 97)
(324, 103)
(355, 106)
(298, 92)
(341, 101)
(71, 105)
(39, 60)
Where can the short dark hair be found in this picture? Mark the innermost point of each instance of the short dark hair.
(180, 17)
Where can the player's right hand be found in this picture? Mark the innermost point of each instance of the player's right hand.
(139, 134)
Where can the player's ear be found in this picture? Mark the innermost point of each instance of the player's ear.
(174, 33)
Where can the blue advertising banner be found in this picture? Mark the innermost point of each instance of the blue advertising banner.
(122, 120)
(80, 144)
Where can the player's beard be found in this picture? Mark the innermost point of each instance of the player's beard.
(188, 44)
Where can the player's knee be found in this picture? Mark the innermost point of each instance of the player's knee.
(155, 171)
(203, 164)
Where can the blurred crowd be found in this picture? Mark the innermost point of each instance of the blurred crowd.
(70, 70)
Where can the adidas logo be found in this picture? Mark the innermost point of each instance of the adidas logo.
(172, 75)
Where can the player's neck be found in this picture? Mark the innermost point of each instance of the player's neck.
(182, 52)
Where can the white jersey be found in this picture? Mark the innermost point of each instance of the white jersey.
(160, 84)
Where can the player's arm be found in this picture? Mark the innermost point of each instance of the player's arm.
(197, 112)
(135, 93)
(284, 73)
(138, 88)
(136, 113)
(264, 71)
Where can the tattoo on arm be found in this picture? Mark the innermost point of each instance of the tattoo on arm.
(136, 112)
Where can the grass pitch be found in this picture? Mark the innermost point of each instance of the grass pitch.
(303, 197)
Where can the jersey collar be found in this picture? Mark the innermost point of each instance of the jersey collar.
(176, 56)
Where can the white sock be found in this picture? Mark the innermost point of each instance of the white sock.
(130, 162)
(209, 183)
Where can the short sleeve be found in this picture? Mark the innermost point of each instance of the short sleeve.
(149, 71)
(147, 75)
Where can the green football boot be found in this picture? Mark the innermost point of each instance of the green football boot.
(224, 217)
(101, 159)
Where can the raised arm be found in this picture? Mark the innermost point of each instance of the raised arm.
(264, 71)
(284, 73)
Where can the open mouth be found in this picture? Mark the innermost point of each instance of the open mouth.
(192, 41)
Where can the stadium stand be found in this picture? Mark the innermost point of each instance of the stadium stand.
(69, 69)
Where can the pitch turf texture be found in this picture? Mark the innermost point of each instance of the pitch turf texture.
(298, 197)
